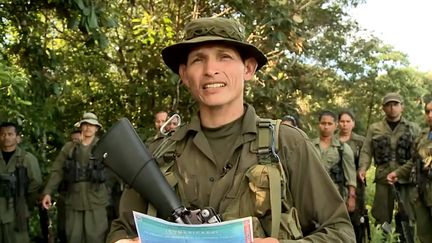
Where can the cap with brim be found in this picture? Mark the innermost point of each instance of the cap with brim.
(211, 30)
(89, 118)
(392, 97)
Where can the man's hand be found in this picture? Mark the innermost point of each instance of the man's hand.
(362, 175)
(134, 240)
(46, 201)
(351, 203)
(392, 178)
(265, 240)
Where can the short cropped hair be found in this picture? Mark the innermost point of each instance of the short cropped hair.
(327, 113)
(11, 124)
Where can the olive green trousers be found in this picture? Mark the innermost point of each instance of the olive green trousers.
(423, 215)
(86, 226)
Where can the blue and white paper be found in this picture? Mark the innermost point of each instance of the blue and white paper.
(155, 230)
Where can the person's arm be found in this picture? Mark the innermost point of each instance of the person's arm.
(365, 160)
(350, 176)
(123, 228)
(34, 176)
(315, 197)
(56, 175)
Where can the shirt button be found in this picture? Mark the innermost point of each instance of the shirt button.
(211, 179)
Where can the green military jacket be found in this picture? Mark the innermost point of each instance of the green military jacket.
(423, 148)
(81, 195)
(377, 130)
(202, 184)
(330, 157)
(153, 142)
(29, 161)
(356, 143)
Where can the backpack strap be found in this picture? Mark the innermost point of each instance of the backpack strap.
(340, 151)
(266, 146)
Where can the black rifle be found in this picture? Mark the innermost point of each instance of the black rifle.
(45, 224)
(407, 231)
(134, 164)
(362, 226)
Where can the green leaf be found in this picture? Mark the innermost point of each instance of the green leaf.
(80, 4)
(92, 20)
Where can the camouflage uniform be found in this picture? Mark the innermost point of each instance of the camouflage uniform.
(85, 201)
(330, 158)
(10, 231)
(390, 149)
(359, 218)
(205, 180)
(422, 198)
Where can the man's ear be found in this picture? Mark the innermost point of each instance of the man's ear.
(250, 68)
(182, 74)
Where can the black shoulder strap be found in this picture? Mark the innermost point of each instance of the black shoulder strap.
(341, 151)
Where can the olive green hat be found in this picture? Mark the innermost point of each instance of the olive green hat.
(90, 118)
(205, 30)
(392, 97)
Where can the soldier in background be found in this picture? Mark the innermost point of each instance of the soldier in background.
(359, 217)
(160, 118)
(337, 158)
(420, 170)
(20, 179)
(75, 135)
(388, 143)
(290, 120)
(86, 195)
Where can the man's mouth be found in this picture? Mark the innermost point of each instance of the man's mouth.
(214, 85)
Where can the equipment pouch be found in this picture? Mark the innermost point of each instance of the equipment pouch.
(97, 173)
(69, 171)
(267, 198)
(336, 174)
(381, 148)
(403, 148)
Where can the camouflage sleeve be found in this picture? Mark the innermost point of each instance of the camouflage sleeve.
(56, 173)
(366, 151)
(35, 177)
(321, 211)
(124, 226)
(349, 166)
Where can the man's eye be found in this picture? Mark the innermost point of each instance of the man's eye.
(196, 59)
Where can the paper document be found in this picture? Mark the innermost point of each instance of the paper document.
(155, 230)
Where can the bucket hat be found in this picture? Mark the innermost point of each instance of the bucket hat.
(90, 118)
(207, 30)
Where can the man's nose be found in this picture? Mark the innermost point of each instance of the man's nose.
(211, 67)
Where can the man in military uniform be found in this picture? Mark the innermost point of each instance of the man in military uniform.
(216, 149)
(359, 218)
(290, 120)
(388, 143)
(86, 195)
(337, 158)
(20, 179)
(160, 119)
(75, 135)
(422, 177)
